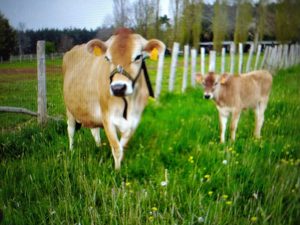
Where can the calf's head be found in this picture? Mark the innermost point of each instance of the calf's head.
(124, 52)
(211, 83)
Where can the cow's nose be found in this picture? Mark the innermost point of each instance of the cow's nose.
(118, 89)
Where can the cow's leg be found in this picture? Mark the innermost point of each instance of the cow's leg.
(71, 129)
(223, 118)
(125, 136)
(259, 117)
(96, 135)
(234, 122)
(116, 147)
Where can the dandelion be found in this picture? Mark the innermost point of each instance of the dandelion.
(154, 209)
(150, 218)
(253, 219)
(201, 219)
(210, 193)
(207, 176)
(224, 197)
(127, 184)
(228, 202)
(164, 183)
(191, 159)
(225, 162)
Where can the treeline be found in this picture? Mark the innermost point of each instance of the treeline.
(58, 40)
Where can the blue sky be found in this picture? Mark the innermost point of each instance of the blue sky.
(37, 14)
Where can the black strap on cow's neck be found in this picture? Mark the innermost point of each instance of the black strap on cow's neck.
(121, 70)
(125, 108)
(147, 78)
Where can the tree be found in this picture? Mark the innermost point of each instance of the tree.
(219, 24)
(121, 13)
(191, 22)
(176, 6)
(242, 21)
(287, 26)
(144, 17)
(8, 38)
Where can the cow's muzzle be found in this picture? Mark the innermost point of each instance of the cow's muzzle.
(118, 89)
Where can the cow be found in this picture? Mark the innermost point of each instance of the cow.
(105, 87)
(232, 94)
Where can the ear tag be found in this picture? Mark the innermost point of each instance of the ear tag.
(97, 51)
(154, 54)
(223, 80)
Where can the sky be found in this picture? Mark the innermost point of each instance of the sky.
(38, 14)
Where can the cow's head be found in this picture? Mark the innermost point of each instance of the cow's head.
(211, 83)
(124, 52)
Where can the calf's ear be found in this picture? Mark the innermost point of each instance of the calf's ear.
(224, 78)
(96, 47)
(199, 78)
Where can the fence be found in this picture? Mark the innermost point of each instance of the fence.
(33, 57)
(274, 58)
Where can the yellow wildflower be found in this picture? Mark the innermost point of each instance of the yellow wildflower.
(154, 209)
(224, 197)
(210, 193)
(253, 219)
(228, 202)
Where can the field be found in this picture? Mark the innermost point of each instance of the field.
(175, 170)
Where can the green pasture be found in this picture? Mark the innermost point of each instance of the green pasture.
(175, 171)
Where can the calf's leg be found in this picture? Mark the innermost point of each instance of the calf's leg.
(234, 122)
(259, 117)
(223, 118)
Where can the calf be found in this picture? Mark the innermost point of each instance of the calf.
(232, 94)
(105, 85)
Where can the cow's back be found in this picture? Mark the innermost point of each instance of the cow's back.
(81, 72)
(255, 87)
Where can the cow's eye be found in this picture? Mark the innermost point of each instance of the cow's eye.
(138, 57)
(106, 58)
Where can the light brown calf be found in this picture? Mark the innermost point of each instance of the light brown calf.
(232, 94)
(104, 86)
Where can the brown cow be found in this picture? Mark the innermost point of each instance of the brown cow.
(232, 94)
(104, 86)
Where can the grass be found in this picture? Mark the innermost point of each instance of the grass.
(246, 182)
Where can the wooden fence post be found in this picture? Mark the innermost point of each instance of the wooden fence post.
(202, 61)
(173, 66)
(159, 74)
(193, 66)
(232, 55)
(248, 68)
(223, 60)
(212, 61)
(257, 57)
(41, 77)
(185, 67)
(240, 58)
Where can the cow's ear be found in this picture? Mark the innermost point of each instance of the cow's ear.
(96, 47)
(199, 78)
(153, 48)
(224, 78)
